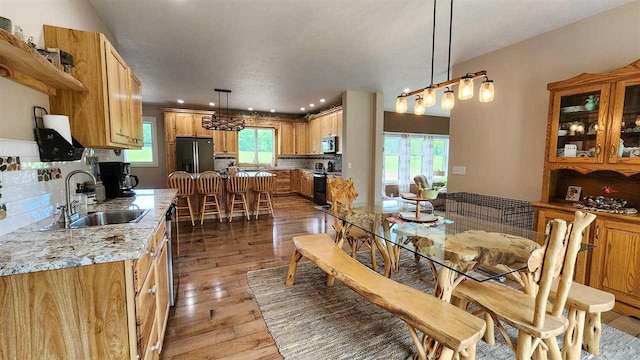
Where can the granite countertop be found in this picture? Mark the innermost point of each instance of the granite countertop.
(29, 250)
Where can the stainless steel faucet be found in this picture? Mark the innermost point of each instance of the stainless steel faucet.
(69, 213)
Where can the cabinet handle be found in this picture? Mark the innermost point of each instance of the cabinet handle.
(613, 151)
(598, 149)
(597, 231)
(156, 347)
(153, 290)
(152, 252)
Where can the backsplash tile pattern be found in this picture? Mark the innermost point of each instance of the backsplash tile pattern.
(285, 161)
(27, 194)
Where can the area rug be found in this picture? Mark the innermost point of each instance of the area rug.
(312, 321)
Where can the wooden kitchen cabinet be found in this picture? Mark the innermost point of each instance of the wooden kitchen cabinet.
(135, 106)
(102, 116)
(170, 128)
(199, 131)
(283, 182)
(286, 138)
(616, 263)
(184, 125)
(295, 181)
(162, 281)
(231, 139)
(301, 138)
(306, 183)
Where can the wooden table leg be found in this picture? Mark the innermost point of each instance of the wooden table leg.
(340, 236)
(417, 210)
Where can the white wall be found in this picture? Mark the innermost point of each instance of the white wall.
(362, 128)
(17, 101)
(502, 143)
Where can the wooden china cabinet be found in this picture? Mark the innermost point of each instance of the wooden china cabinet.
(593, 142)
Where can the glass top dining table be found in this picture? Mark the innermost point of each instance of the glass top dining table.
(476, 248)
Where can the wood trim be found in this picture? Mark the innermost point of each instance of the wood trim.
(187, 111)
(325, 112)
(131, 309)
(584, 79)
(633, 218)
(624, 169)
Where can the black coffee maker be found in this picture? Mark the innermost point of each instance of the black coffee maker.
(117, 179)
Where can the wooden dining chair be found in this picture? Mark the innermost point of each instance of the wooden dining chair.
(343, 193)
(237, 186)
(263, 184)
(210, 186)
(184, 183)
(527, 311)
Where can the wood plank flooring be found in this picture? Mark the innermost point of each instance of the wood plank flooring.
(216, 316)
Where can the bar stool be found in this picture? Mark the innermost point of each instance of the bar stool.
(238, 185)
(263, 184)
(209, 185)
(184, 182)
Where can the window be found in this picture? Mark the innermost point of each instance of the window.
(391, 158)
(148, 155)
(407, 155)
(256, 146)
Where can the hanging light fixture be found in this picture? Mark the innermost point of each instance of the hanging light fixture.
(418, 107)
(465, 89)
(448, 100)
(487, 91)
(401, 104)
(465, 83)
(220, 121)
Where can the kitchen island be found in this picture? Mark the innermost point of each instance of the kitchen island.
(96, 292)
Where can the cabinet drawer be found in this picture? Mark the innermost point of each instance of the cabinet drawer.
(141, 266)
(153, 348)
(146, 312)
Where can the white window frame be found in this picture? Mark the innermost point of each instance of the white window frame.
(384, 180)
(154, 143)
(416, 135)
(255, 139)
(446, 158)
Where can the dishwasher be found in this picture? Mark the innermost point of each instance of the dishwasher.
(173, 250)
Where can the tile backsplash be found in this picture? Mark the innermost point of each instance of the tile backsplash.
(285, 161)
(32, 190)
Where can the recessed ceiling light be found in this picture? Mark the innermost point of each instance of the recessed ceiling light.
(273, 110)
(250, 109)
(212, 104)
(322, 100)
(312, 105)
(302, 109)
(180, 101)
(407, 90)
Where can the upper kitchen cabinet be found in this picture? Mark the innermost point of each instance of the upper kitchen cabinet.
(286, 138)
(105, 116)
(594, 121)
(184, 125)
(301, 138)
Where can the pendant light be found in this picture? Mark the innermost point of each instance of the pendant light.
(448, 100)
(487, 91)
(430, 97)
(465, 88)
(418, 107)
(401, 104)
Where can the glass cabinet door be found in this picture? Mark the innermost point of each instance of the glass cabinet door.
(578, 125)
(624, 143)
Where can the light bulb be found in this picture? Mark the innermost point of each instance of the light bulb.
(430, 97)
(418, 107)
(448, 100)
(401, 105)
(486, 91)
(465, 89)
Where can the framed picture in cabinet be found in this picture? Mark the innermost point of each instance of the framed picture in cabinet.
(573, 193)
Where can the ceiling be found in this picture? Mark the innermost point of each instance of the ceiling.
(286, 54)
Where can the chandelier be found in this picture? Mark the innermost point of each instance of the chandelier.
(426, 97)
(220, 121)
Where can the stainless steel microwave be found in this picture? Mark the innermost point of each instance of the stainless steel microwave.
(330, 145)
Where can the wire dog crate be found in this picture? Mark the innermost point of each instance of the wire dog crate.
(510, 212)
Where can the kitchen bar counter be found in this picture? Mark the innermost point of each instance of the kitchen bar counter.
(29, 250)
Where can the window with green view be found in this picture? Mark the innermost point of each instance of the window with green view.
(147, 155)
(256, 146)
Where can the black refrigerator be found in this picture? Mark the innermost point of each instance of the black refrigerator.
(194, 155)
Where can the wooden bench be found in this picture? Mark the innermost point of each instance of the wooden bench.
(587, 301)
(454, 328)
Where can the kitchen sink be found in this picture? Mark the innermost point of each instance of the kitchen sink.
(109, 218)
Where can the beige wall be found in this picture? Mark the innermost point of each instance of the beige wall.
(17, 101)
(154, 177)
(363, 120)
(502, 143)
(418, 124)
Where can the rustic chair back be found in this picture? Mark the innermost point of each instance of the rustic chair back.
(557, 259)
(343, 193)
(238, 182)
(209, 182)
(183, 181)
(264, 181)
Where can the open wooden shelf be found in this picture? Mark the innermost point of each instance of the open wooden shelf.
(22, 64)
